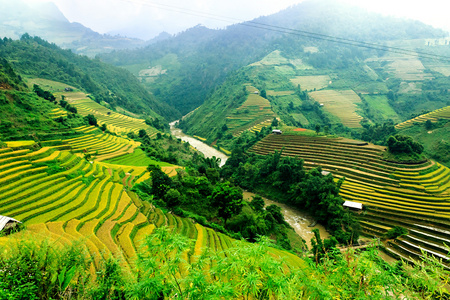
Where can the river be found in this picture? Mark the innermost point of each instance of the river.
(207, 150)
(299, 220)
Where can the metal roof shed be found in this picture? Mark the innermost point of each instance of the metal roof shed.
(5, 222)
(354, 205)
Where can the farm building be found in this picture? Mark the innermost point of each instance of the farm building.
(277, 131)
(7, 224)
(353, 205)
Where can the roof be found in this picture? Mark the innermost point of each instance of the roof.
(325, 173)
(5, 220)
(352, 204)
(276, 130)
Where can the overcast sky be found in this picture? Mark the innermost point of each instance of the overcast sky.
(146, 18)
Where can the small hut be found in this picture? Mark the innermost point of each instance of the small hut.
(7, 224)
(277, 131)
(353, 205)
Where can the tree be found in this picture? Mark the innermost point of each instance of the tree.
(428, 125)
(317, 129)
(257, 203)
(91, 120)
(264, 94)
(403, 144)
(227, 199)
(103, 127)
(161, 182)
(274, 122)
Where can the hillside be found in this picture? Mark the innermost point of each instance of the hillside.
(194, 62)
(104, 82)
(414, 196)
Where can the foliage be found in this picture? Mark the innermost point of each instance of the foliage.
(37, 270)
(227, 199)
(395, 232)
(286, 178)
(378, 133)
(91, 120)
(403, 144)
(36, 57)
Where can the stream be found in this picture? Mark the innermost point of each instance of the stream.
(299, 220)
(207, 150)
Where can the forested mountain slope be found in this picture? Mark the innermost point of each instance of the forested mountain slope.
(32, 56)
(185, 69)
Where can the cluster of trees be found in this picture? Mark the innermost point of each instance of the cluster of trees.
(43, 94)
(199, 193)
(378, 133)
(402, 144)
(285, 179)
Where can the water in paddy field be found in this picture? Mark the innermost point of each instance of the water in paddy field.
(299, 220)
(207, 150)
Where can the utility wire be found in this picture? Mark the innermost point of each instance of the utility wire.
(291, 31)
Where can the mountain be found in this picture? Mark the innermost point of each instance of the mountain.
(47, 21)
(194, 62)
(34, 57)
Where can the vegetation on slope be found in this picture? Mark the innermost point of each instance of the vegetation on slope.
(198, 60)
(32, 56)
(39, 270)
(25, 115)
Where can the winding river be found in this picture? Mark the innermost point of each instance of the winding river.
(299, 220)
(207, 150)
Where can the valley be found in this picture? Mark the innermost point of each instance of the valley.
(311, 162)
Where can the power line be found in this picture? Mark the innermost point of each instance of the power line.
(291, 31)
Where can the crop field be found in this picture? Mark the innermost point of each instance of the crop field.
(87, 201)
(115, 122)
(415, 196)
(311, 83)
(101, 145)
(342, 104)
(379, 105)
(137, 158)
(48, 85)
(434, 116)
(255, 110)
(272, 59)
(407, 68)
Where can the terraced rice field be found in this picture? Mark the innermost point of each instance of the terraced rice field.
(342, 104)
(415, 196)
(58, 112)
(252, 112)
(434, 116)
(115, 122)
(311, 83)
(65, 206)
(102, 145)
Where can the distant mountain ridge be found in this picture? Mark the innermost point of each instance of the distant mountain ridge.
(199, 59)
(47, 21)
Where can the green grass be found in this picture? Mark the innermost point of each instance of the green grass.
(379, 105)
(137, 158)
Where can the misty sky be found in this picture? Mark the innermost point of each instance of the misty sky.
(147, 18)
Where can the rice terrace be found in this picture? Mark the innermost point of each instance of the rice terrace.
(302, 152)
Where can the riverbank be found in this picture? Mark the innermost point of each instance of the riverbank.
(207, 150)
(299, 220)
